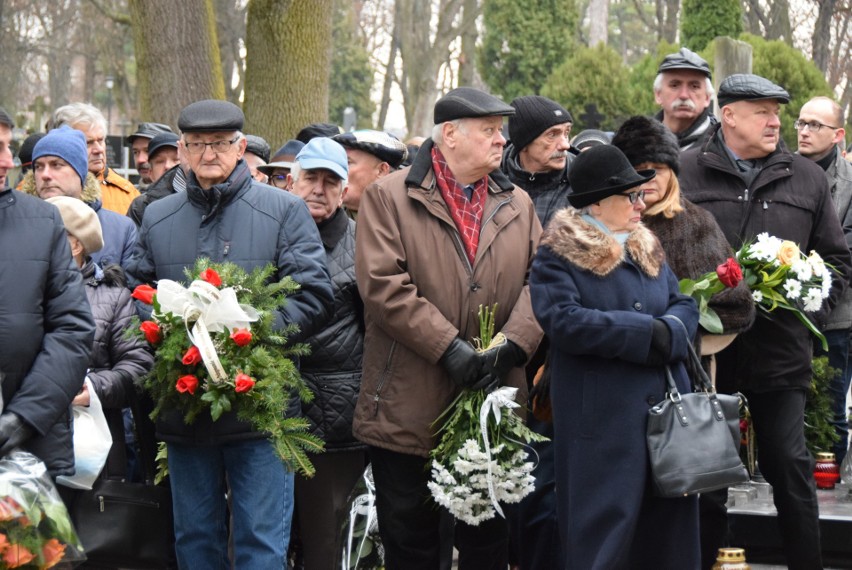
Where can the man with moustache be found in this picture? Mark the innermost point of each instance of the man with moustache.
(454, 205)
(820, 134)
(751, 184)
(684, 89)
(139, 148)
(537, 160)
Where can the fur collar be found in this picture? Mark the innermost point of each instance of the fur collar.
(91, 191)
(582, 244)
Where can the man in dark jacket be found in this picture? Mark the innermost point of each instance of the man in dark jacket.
(168, 174)
(684, 89)
(47, 327)
(820, 134)
(225, 215)
(752, 184)
(537, 160)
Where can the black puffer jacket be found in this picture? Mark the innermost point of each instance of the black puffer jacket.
(159, 189)
(548, 190)
(789, 198)
(47, 328)
(333, 369)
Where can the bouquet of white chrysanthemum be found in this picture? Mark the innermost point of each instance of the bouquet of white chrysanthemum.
(481, 459)
(780, 275)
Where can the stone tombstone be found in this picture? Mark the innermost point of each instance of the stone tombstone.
(732, 56)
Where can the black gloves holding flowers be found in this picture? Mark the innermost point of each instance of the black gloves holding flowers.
(481, 370)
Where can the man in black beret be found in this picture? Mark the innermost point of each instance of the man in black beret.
(684, 89)
(225, 215)
(138, 142)
(435, 241)
(371, 155)
(752, 184)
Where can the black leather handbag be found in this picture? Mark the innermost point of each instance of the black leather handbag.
(693, 439)
(124, 524)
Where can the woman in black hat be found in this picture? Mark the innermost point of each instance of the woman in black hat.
(610, 305)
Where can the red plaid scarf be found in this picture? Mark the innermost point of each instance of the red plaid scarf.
(467, 214)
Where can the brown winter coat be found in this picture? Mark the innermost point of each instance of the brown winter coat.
(420, 293)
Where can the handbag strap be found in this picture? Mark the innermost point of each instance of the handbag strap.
(700, 379)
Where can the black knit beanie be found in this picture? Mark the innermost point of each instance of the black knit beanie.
(642, 139)
(534, 115)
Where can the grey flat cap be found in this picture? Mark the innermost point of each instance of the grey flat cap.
(160, 141)
(258, 147)
(210, 116)
(467, 102)
(749, 87)
(383, 146)
(685, 59)
(148, 131)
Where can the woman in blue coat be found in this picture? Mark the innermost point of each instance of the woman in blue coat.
(604, 295)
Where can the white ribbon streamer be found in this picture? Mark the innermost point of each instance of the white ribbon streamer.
(494, 403)
(212, 310)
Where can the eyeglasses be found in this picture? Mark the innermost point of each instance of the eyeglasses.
(218, 146)
(634, 196)
(278, 180)
(812, 126)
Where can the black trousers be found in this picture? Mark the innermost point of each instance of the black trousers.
(787, 465)
(410, 521)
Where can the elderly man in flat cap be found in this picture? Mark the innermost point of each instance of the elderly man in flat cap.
(434, 242)
(371, 155)
(138, 142)
(752, 184)
(684, 89)
(225, 215)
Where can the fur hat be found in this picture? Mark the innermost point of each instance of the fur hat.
(80, 221)
(534, 114)
(69, 145)
(647, 140)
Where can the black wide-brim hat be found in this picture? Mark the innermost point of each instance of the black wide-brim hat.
(600, 172)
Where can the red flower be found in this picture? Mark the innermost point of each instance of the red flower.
(244, 383)
(151, 331)
(192, 356)
(187, 383)
(17, 555)
(211, 277)
(144, 293)
(241, 337)
(743, 426)
(730, 273)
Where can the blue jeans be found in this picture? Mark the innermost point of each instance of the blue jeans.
(262, 502)
(838, 358)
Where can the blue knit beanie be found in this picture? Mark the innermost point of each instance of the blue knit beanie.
(69, 145)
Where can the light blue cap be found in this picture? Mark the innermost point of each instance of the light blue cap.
(322, 152)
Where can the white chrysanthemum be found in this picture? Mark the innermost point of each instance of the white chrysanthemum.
(766, 248)
(816, 262)
(463, 466)
(802, 269)
(825, 279)
(793, 289)
(813, 300)
(757, 296)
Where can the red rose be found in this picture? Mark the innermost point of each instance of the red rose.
(211, 277)
(187, 383)
(241, 336)
(144, 293)
(151, 331)
(730, 273)
(244, 383)
(192, 356)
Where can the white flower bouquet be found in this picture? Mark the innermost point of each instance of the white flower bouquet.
(481, 460)
(781, 276)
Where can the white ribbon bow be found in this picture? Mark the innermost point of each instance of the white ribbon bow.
(212, 309)
(494, 403)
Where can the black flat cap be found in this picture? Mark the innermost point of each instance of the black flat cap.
(685, 59)
(210, 116)
(384, 146)
(601, 172)
(25, 153)
(258, 147)
(317, 130)
(467, 102)
(162, 140)
(749, 87)
(148, 131)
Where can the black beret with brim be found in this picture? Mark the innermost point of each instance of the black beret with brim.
(210, 116)
(749, 87)
(467, 102)
(600, 172)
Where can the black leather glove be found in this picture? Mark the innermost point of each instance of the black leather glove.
(464, 365)
(13, 432)
(500, 359)
(661, 344)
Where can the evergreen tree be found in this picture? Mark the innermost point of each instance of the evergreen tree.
(702, 21)
(351, 75)
(523, 41)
